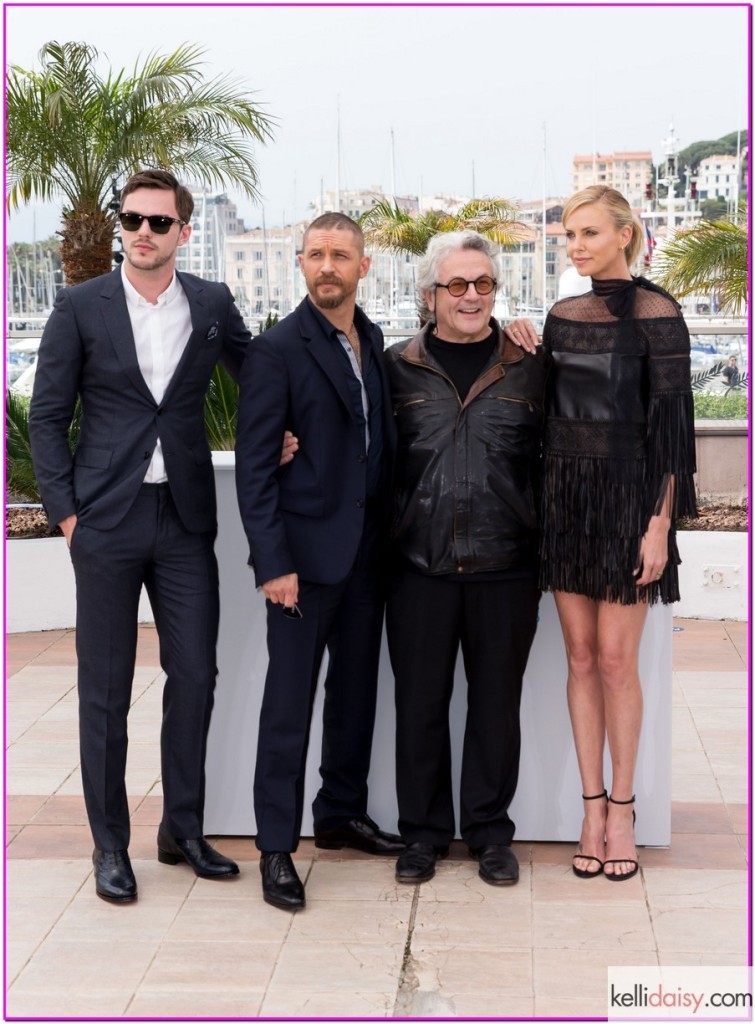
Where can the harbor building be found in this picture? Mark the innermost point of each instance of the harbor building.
(261, 269)
(718, 177)
(215, 219)
(629, 172)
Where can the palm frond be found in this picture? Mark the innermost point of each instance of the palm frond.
(19, 468)
(221, 410)
(711, 255)
(389, 228)
(702, 378)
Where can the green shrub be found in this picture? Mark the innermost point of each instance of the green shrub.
(20, 478)
(731, 406)
(221, 410)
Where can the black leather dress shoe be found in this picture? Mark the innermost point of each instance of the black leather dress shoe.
(417, 862)
(498, 864)
(359, 834)
(281, 886)
(113, 876)
(198, 854)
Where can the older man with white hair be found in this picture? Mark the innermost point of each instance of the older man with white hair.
(468, 406)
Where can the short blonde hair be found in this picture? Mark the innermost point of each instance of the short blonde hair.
(618, 208)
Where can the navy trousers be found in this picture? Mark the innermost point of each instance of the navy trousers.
(347, 619)
(150, 546)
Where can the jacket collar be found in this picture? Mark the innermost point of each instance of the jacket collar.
(417, 351)
(118, 325)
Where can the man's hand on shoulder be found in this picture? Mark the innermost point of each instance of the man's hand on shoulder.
(282, 590)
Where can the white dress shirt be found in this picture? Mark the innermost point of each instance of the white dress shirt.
(161, 332)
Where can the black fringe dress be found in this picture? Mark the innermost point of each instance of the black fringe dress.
(620, 426)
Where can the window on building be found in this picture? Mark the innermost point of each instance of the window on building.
(239, 274)
(258, 292)
(258, 273)
(258, 254)
(239, 254)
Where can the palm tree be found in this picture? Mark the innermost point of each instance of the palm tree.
(386, 226)
(712, 254)
(72, 133)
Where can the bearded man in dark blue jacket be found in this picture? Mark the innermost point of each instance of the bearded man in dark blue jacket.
(314, 528)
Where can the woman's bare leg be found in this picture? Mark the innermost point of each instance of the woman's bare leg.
(584, 691)
(619, 633)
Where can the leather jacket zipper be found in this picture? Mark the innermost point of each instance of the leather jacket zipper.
(519, 401)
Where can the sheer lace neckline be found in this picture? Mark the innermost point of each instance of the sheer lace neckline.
(611, 286)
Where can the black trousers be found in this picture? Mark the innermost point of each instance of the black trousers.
(347, 619)
(428, 617)
(151, 547)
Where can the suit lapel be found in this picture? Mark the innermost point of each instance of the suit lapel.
(199, 328)
(118, 327)
(323, 351)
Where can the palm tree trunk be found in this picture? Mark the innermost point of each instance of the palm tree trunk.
(87, 246)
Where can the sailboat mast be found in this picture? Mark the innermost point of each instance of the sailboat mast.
(545, 238)
(393, 311)
(338, 156)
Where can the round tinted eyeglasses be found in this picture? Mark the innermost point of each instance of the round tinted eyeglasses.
(160, 225)
(457, 286)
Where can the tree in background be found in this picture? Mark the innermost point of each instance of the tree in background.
(714, 209)
(386, 226)
(72, 133)
(725, 146)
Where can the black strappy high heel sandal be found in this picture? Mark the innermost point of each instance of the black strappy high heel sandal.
(613, 877)
(582, 872)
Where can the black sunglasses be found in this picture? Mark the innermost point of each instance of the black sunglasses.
(293, 613)
(157, 223)
(457, 286)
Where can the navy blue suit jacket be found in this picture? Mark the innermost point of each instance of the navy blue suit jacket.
(306, 517)
(88, 349)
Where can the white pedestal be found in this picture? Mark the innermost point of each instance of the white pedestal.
(547, 805)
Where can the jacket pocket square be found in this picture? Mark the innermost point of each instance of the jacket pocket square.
(212, 333)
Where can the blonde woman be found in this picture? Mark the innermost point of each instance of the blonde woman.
(619, 454)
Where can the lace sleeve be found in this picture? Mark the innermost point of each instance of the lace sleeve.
(671, 416)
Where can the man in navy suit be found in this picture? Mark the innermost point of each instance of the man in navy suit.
(136, 502)
(314, 528)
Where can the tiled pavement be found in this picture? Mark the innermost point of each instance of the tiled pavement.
(364, 947)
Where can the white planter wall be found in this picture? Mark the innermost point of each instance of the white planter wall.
(713, 576)
(41, 592)
(547, 804)
(40, 586)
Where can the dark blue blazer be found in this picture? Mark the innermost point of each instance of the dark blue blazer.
(88, 349)
(305, 517)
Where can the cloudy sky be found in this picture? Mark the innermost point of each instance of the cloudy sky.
(503, 95)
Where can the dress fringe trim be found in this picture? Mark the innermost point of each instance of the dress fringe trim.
(605, 500)
(671, 452)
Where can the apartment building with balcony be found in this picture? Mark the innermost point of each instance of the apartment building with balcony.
(628, 172)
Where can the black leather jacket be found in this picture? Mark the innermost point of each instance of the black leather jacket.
(466, 472)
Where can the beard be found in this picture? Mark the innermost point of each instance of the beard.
(331, 302)
(328, 301)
